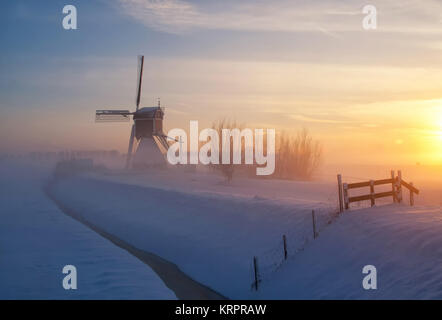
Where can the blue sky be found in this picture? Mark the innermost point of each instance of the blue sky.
(286, 64)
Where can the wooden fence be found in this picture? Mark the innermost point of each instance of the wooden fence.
(396, 190)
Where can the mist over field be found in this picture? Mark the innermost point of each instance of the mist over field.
(213, 150)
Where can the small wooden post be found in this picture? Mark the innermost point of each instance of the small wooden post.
(284, 240)
(341, 202)
(411, 195)
(392, 186)
(255, 269)
(399, 186)
(372, 193)
(345, 187)
(314, 224)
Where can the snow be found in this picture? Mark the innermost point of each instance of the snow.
(202, 182)
(403, 243)
(211, 238)
(212, 230)
(37, 240)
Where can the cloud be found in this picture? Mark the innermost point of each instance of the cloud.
(316, 119)
(280, 15)
(327, 16)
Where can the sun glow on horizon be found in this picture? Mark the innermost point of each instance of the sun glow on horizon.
(439, 123)
(431, 136)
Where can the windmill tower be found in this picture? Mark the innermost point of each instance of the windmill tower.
(147, 128)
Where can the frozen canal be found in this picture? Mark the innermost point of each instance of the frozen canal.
(37, 240)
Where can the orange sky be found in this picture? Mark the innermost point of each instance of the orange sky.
(368, 96)
(363, 115)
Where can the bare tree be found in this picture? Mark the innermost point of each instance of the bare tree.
(227, 170)
(297, 157)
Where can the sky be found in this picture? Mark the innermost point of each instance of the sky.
(369, 96)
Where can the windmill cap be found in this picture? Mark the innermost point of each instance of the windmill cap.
(149, 112)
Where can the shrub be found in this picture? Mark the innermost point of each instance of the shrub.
(227, 170)
(297, 157)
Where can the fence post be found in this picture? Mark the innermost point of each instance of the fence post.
(345, 187)
(399, 185)
(314, 224)
(392, 186)
(411, 196)
(372, 193)
(284, 240)
(255, 269)
(341, 204)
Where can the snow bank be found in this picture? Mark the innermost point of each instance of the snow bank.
(212, 231)
(37, 241)
(211, 236)
(403, 243)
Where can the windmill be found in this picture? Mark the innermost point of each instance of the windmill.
(147, 128)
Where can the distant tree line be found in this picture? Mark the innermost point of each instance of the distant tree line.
(64, 155)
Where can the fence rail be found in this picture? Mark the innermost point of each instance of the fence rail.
(410, 186)
(370, 196)
(295, 241)
(367, 183)
(396, 190)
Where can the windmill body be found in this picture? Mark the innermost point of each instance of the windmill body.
(148, 122)
(148, 125)
(148, 155)
(147, 130)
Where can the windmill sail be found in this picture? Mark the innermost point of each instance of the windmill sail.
(112, 115)
(139, 80)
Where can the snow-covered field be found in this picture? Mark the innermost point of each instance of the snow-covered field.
(37, 240)
(403, 243)
(211, 231)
